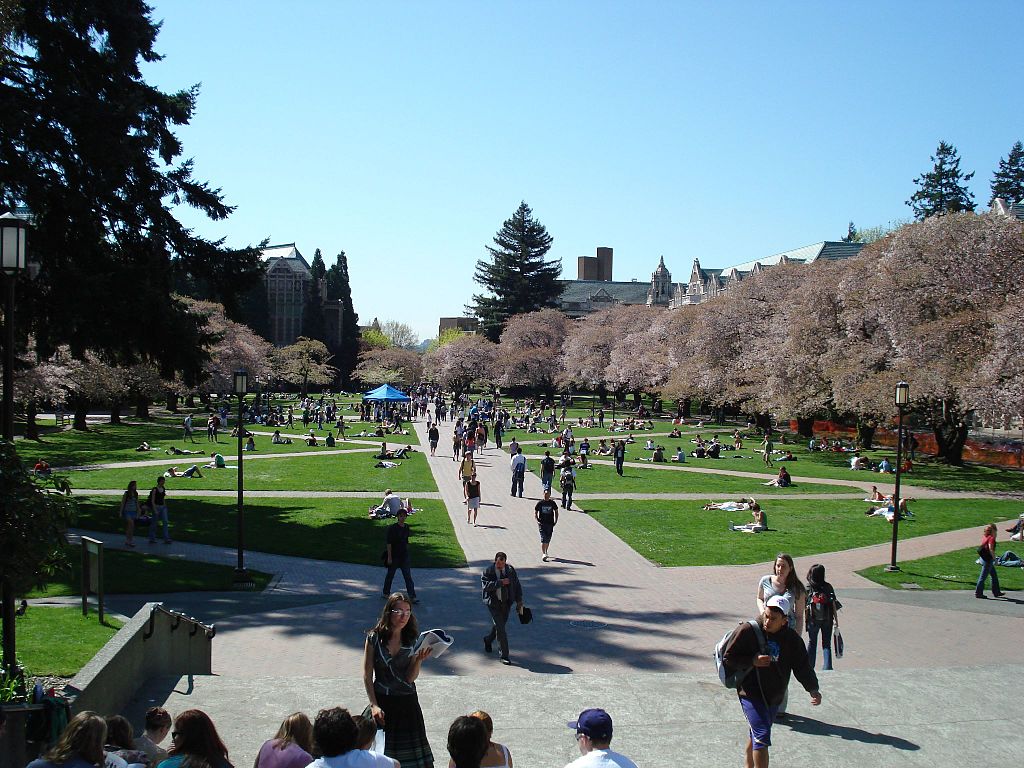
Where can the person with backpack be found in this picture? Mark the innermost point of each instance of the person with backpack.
(757, 658)
(822, 605)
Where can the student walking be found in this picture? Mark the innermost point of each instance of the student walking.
(822, 606)
(568, 485)
(501, 588)
(158, 510)
(397, 556)
(547, 471)
(472, 499)
(987, 554)
(620, 456)
(546, 514)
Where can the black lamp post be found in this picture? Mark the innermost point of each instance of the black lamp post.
(241, 384)
(902, 397)
(13, 231)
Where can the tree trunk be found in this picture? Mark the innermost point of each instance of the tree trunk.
(865, 433)
(142, 408)
(190, 401)
(950, 429)
(172, 402)
(80, 413)
(115, 412)
(805, 426)
(637, 399)
(763, 421)
(31, 428)
(687, 407)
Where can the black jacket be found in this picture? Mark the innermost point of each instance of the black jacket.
(490, 585)
(769, 682)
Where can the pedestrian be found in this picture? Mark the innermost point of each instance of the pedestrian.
(594, 737)
(189, 432)
(129, 511)
(499, 430)
(397, 556)
(390, 668)
(518, 471)
(600, 418)
(822, 606)
(767, 446)
(211, 429)
(620, 456)
(547, 471)
(456, 444)
(987, 555)
(472, 499)
(467, 468)
(501, 588)
(513, 447)
(783, 581)
(545, 512)
(158, 510)
(568, 484)
(434, 436)
(770, 651)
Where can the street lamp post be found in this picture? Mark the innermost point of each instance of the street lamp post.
(241, 384)
(902, 397)
(13, 231)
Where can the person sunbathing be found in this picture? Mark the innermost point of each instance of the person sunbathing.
(887, 511)
(759, 524)
(181, 452)
(782, 481)
(192, 471)
(144, 447)
(675, 432)
(732, 506)
(877, 495)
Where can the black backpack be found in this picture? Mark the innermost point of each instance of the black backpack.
(819, 607)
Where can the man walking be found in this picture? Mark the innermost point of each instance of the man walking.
(518, 471)
(546, 515)
(398, 556)
(433, 435)
(620, 456)
(547, 471)
(594, 736)
(770, 652)
(501, 588)
(767, 446)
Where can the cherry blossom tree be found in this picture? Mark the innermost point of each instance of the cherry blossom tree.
(530, 350)
(461, 363)
(392, 365)
(305, 362)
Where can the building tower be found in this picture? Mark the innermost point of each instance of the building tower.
(660, 292)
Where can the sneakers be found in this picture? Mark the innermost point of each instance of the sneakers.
(488, 648)
(506, 661)
(981, 597)
(998, 594)
(544, 558)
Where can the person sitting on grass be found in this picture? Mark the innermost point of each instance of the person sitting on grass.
(675, 432)
(311, 440)
(191, 472)
(42, 468)
(649, 445)
(788, 456)
(859, 462)
(216, 462)
(759, 524)
(782, 481)
(583, 461)
(680, 457)
(329, 440)
(884, 466)
(279, 439)
(250, 444)
(603, 449)
(659, 455)
(389, 506)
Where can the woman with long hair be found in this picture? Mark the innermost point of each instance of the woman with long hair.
(784, 581)
(79, 746)
(129, 511)
(195, 743)
(290, 747)
(987, 554)
(496, 755)
(390, 668)
(120, 741)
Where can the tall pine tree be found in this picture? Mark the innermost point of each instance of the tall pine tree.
(517, 276)
(338, 289)
(1008, 181)
(313, 325)
(943, 188)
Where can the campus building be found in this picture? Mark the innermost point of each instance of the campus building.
(287, 278)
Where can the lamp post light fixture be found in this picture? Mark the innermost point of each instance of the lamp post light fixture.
(901, 398)
(13, 236)
(241, 385)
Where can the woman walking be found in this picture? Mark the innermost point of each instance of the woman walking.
(783, 581)
(390, 669)
(822, 605)
(130, 511)
(987, 553)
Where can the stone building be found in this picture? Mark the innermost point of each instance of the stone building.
(287, 279)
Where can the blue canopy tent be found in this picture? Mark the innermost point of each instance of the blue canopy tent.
(387, 394)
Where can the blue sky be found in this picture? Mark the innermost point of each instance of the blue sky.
(406, 133)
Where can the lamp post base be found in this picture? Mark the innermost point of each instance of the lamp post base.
(242, 580)
(892, 568)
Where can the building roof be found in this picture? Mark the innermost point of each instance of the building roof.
(827, 249)
(286, 251)
(582, 291)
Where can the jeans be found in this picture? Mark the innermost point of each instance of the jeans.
(567, 498)
(618, 464)
(159, 515)
(499, 617)
(406, 574)
(826, 644)
(517, 481)
(545, 480)
(986, 570)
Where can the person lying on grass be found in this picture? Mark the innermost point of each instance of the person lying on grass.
(732, 506)
(887, 510)
(192, 471)
(173, 451)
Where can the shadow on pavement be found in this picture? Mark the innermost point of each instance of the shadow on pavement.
(818, 728)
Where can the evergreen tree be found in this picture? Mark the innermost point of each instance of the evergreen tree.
(88, 147)
(338, 289)
(517, 275)
(313, 326)
(318, 269)
(851, 234)
(943, 188)
(1008, 181)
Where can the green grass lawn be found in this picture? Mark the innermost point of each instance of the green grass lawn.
(337, 472)
(601, 478)
(325, 529)
(681, 533)
(138, 573)
(60, 641)
(951, 570)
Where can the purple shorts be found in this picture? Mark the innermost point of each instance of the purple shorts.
(760, 718)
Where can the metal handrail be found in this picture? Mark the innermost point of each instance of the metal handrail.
(209, 629)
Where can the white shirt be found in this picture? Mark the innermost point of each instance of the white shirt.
(357, 758)
(519, 460)
(602, 758)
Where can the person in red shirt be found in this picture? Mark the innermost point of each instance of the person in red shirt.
(987, 553)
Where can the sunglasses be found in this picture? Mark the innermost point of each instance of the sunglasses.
(400, 612)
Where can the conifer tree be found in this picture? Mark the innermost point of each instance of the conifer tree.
(517, 276)
(338, 289)
(942, 189)
(1008, 180)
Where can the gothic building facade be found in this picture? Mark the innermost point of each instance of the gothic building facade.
(287, 278)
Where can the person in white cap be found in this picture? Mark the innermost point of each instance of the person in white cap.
(765, 683)
(593, 736)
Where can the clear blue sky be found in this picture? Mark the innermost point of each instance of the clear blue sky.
(405, 133)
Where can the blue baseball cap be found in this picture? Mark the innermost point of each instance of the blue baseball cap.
(595, 723)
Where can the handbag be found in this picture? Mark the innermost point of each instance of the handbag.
(526, 616)
(837, 640)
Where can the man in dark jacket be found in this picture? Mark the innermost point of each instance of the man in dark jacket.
(501, 588)
(765, 685)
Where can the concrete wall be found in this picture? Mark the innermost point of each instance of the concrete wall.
(108, 682)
